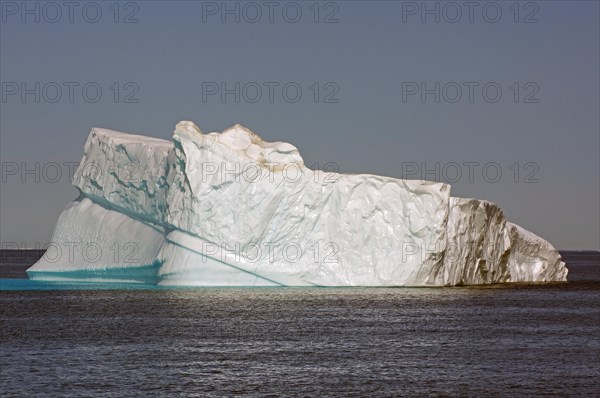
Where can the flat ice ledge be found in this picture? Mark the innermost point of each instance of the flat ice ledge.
(176, 203)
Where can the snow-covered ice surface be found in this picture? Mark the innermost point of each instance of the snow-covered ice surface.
(229, 209)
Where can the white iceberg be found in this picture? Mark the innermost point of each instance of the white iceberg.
(229, 209)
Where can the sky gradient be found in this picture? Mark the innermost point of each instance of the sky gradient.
(362, 68)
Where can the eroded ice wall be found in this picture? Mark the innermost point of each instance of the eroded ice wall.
(531, 258)
(476, 244)
(126, 171)
(235, 189)
(92, 242)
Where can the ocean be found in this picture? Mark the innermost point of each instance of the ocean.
(134, 340)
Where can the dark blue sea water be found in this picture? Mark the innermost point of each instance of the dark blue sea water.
(132, 340)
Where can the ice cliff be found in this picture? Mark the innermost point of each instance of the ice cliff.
(229, 209)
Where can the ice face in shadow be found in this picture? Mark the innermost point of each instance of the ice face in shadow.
(229, 209)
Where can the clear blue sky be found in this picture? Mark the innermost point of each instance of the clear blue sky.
(542, 133)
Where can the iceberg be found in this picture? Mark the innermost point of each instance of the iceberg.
(229, 209)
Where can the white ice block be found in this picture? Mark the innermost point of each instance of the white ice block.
(229, 209)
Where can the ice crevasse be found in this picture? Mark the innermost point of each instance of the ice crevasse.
(229, 209)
